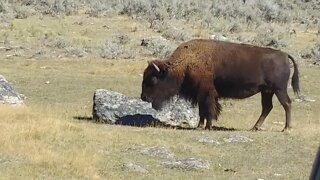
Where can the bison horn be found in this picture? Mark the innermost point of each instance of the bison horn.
(156, 67)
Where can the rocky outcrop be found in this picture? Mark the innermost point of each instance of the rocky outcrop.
(115, 108)
(8, 95)
(169, 160)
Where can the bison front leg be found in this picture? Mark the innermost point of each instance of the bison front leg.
(213, 113)
(209, 108)
(202, 114)
(201, 122)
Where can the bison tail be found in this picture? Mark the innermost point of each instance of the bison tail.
(295, 78)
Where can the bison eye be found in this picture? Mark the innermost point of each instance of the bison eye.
(154, 80)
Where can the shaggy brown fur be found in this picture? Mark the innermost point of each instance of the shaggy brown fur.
(203, 71)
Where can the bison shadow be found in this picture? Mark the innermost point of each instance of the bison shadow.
(139, 120)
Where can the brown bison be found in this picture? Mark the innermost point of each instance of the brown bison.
(203, 71)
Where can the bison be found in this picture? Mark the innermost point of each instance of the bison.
(204, 71)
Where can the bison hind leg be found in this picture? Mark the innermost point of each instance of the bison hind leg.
(285, 101)
(266, 102)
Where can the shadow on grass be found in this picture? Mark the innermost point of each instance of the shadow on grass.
(136, 120)
(139, 120)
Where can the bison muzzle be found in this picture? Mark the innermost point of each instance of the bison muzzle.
(203, 71)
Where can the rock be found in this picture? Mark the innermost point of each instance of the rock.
(8, 95)
(208, 140)
(134, 167)
(220, 37)
(155, 151)
(237, 138)
(304, 98)
(229, 170)
(188, 164)
(178, 113)
(115, 108)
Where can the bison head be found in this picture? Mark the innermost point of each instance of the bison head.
(158, 84)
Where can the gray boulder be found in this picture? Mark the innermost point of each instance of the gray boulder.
(115, 108)
(8, 95)
(237, 138)
(188, 164)
(133, 167)
(156, 151)
(208, 140)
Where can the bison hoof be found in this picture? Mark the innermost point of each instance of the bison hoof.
(208, 128)
(255, 129)
(286, 129)
(200, 126)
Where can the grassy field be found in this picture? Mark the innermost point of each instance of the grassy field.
(44, 140)
(56, 63)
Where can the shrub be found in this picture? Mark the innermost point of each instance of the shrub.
(116, 48)
(112, 50)
(316, 53)
(96, 9)
(4, 7)
(66, 7)
(176, 34)
(159, 47)
(121, 38)
(22, 12)
(60, 42)
(54, 7)
(75, 51)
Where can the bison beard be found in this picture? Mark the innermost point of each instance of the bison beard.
(204, 71)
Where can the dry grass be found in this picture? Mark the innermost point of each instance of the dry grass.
(44, 140)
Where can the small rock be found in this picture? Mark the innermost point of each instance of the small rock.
(208, 140)
(305, 98)
(230, 170)
(219, 37)
(237, 138)
(188, 164)
(47, 82)
(155, 151)
(43, 67)
(276, 122)
(134, 167)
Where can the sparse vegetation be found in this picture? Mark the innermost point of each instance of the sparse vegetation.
(175, 19)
